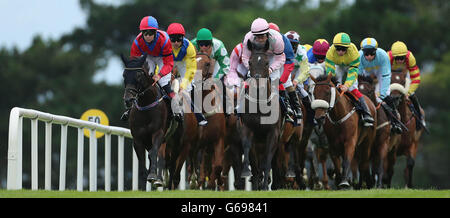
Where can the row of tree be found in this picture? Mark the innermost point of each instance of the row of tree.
(56, 75)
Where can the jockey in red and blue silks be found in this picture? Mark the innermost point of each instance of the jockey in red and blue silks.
(156, 44)
(290, 98)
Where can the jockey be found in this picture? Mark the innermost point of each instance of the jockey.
(184, 57)
(316, 59)
(156, 44)
(259, 35)
(402, 59)
(236, 67)
(375, 61)
(206, 43)
(342, 59)
(291, 99)
(300, 72)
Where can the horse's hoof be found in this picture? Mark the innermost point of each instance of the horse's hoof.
(152, 177)
(344, 185)
(290, 174)
(158, 183)
(246, 173)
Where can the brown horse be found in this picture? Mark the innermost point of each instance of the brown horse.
(259, 132)
(347, 138)
(148, 118)
(208, 154)
(410, 139)
(386, 140)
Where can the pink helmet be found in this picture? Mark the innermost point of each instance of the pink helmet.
(260, 26)
(175, 28)
(274, 27)
(320, 47)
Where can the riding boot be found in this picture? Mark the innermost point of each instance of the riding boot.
(198, 115)
(286, 106)
(391, 111)
(295, 103)
(170, 94)
(367, 117)
(417, 107)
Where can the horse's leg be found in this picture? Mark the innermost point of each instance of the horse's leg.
(391, 159)
(271, 146)
(217, 165)
(246, 146)
(239, 182)
(139, 148)
(322, 157)
(410, 162)
(349, 147)
(153, 154)
(181, 158)
(161, 164)
(383, 153)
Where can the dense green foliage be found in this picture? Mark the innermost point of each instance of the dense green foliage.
(55, 76)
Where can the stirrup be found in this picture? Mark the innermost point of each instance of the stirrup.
(125, 115)
(203, 123)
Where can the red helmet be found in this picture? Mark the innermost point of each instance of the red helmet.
(274, 27)
(175, 28)
(148, 23)
(320, 47)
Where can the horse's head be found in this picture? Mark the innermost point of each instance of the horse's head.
(205, 64)
(366, 85)
(324, 95)
(259, 60)
(398, 89)
(136, 78)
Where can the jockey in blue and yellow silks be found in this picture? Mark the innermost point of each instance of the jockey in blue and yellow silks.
(375, 61)
(184, 56)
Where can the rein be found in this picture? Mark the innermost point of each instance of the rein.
(333, 102)
(138, 94)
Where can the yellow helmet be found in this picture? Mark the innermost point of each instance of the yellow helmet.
(307, 46)
(342, 39)
(399, 49)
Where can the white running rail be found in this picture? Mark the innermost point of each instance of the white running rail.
(14, 176)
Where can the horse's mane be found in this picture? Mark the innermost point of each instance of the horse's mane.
(134, 62)
(364, 78)
(324, 77)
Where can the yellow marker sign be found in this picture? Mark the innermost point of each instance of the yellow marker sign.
(97, 116)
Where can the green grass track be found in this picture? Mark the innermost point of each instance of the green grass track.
(374, 193)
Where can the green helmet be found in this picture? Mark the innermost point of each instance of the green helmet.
(204, 34)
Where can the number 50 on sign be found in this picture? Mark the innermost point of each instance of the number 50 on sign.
(96, 116)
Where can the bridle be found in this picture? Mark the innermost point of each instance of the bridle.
(319, 103)
(136, 93)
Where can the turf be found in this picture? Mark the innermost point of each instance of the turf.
(384, 193)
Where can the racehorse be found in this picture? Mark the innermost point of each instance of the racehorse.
(410, 139)
(148, 117)
(208, 154)
(386, 140)
(259, 134)
(347, 138)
